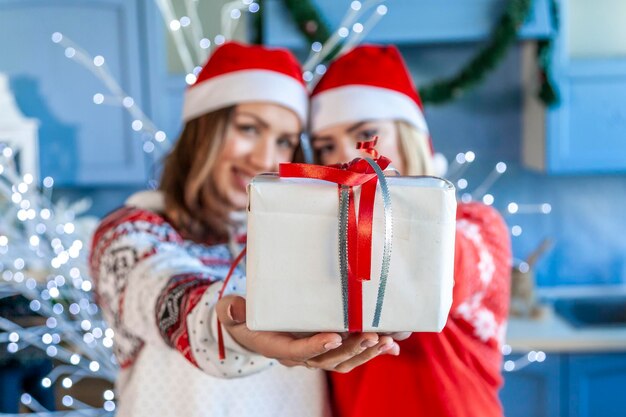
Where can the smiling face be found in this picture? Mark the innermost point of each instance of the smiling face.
(337, 143)
(258, 137)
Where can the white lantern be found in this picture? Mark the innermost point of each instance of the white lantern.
(18, 132)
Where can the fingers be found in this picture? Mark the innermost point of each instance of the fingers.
(328, 351)
(398, 336)
(385, 345)
(354, 345)
(401, 335)
(231, 310)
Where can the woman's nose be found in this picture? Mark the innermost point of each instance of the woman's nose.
(263, 155)
(346, 152)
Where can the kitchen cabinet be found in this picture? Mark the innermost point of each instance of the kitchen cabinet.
(422, 21)
(567, 385)
(586, 131)
(81, 143)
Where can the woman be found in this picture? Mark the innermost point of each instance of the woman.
(456, 373)
(159, 262)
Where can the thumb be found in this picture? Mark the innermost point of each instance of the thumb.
(231, 310)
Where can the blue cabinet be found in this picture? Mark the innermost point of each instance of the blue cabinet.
(534, 391)
(421, 21)
(567, 385)
(81, 144)
(596, 385)
(586, 133)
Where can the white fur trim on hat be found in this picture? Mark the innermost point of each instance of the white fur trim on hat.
(354, 103)
(245, 86)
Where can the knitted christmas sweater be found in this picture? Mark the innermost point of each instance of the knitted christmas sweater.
(455, 373)
(158, 292)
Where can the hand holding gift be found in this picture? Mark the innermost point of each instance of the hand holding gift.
(327, 351)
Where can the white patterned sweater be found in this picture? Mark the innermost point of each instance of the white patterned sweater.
(158, 292)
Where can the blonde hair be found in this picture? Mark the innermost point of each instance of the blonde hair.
(415, 149)
(192, 203)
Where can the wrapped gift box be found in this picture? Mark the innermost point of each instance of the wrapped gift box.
(293, 273)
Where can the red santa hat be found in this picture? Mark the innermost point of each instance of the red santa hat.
(369, 82)
(238, 73)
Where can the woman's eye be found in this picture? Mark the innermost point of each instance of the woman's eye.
(366, 134)
(325, 149)
(286, 143)
(248, 129)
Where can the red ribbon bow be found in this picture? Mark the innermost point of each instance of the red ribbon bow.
(358, 172)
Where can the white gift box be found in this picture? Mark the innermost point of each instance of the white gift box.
(293, 273)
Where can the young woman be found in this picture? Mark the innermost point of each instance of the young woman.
(159, 262)
(456, 373)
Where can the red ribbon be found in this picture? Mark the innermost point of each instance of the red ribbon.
(356, 173)
(220, 337)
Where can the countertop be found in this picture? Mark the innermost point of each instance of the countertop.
(552, 333)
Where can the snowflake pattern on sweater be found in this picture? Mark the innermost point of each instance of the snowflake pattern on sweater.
(482, 270)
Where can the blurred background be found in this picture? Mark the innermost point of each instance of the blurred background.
(526, 100)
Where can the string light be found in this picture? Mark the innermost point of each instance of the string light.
(148, 147)
(205, 43)
(174, 25)
(190, 78)
(137, 125)
(98, 60)
(160, 136)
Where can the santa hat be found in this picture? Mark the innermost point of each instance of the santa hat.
(238, 73)
(369, 82)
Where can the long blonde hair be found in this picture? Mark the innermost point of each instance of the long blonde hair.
(192, 203)
(415, 149)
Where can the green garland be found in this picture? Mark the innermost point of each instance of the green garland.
(314, 28)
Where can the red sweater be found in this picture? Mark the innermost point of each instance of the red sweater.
(455, 373)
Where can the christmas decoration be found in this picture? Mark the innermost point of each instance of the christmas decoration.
(43, 248)
(314, 28)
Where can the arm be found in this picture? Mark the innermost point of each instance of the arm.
(152, 291)
(482, 269)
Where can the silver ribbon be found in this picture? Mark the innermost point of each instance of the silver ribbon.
(343, 243)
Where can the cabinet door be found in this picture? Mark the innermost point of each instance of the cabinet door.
(533, 391)
(410, 21)
(586, 132)
(596, 385)
(80, 143)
